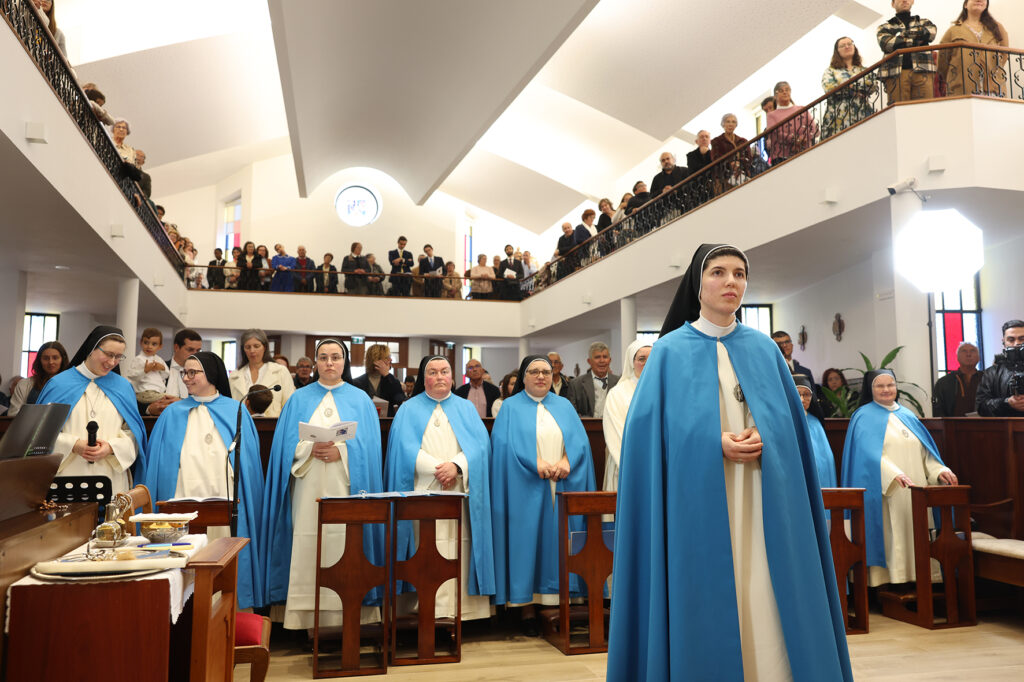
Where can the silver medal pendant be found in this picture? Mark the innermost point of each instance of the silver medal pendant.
(738, 394)
(209, 438)
(92, 414)
(437, 422)
(328, 412)
(906, 434)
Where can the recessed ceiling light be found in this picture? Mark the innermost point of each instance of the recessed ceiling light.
(61, 267)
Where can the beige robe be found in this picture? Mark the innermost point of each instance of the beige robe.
(312, 479)
(203, 469)
(902, 453)
(761, 638)
(112, 428)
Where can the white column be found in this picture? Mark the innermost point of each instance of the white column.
(910, 315)
(524, 347)
(128, 312)
(13, 297)
(627, 327)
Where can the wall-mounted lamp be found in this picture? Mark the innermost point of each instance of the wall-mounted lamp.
(35, 132)
(116, 231)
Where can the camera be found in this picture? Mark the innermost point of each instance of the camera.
(1013, 357)
(904, 186)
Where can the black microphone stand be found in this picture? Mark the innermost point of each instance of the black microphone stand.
(236, 445)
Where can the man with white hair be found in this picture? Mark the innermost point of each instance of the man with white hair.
(587, 392)
(955, 393)
(559, 382)
(670, 174)
(701, 156)
(303, 275)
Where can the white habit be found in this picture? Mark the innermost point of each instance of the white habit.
(94, 405)
(761, 639)
(204, 470)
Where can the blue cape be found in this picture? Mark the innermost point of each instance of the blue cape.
(162, 479)
(364, 470)
(862, 465)
(674, 613)
(68, 387)
(824, 461)
(404, 440)
(525, 525)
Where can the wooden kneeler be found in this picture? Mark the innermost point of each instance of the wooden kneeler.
(427, 571)
(351, 578)
(952, 549)
(849, 554)
(593, 564)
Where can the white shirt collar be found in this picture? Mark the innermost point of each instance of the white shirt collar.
(706, 326)
(331, 388)
(535, 398)
(206, 398)
(86, 373)
(891, 408)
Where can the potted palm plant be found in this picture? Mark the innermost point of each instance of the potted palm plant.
(845, 400)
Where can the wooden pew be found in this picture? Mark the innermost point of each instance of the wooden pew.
(849, 554)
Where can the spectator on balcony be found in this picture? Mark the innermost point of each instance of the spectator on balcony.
(326, 280)
(969, 71)
(620, 212)
(910, 76)
(604, 221)
(640, 195)
(566, 251)
(730, 143)
(670, 175)
(401, 264)
(45, 8)
(215, 272)
(529, 270)
(96, 100)
(511, 276)
(794, 130)
(583, 232)
(233, 273)
(857, 100)
(119, 132)
(249, 263)
(283, 264)
(354, 266)
(481, 285)
(266, 272)
(702, 155)
(303, 275)
(374, 276)
(451, 285)
(432, 269)
(768, 104)
(145, 182)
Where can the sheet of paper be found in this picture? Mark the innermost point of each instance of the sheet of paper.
(335, 433)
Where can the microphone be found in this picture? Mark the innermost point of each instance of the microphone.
(254, 391)
(91, 428)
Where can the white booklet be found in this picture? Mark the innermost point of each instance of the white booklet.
(341, 431)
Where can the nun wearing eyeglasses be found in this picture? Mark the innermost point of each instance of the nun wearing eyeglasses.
(300, 472)
(723, 568)
(538, 448)
(824, 461)
(887, 450)
(437, 442)
(98, 394)
(188, 458)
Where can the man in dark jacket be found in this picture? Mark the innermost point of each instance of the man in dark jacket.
(995, 399)
(479, 392)
(955, 394)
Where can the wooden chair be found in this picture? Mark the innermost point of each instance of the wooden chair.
(427, 571)
(211, 512)
(140, 499)
(593, 563)
(952, 549)
(849, 554)
(351, 578)
(257, 655)
(213, 620)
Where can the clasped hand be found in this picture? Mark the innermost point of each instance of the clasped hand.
(446, 474)
(93, 453)
(554, 472)
(326, 452)
(742, 447)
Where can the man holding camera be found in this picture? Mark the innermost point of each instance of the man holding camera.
(1001, 392)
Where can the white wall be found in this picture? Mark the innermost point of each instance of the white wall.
(1001, 295)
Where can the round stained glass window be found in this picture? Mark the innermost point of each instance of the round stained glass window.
(357, 205)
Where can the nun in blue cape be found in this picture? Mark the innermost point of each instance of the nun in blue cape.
(97, 393)
(824, 460)
(538, 448)
(188, 458)
(888, 449)
(723, 569)
(437, 442)
(300, 472)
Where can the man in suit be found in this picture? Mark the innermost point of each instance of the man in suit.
(432, 267)
(559, 382)
(479, 392)
(302, 277)
(588, 391)
(215, 275)
(510, 274)
(327, 279)
(401, 264)
(785, 344)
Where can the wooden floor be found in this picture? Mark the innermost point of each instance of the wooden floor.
(992, 651)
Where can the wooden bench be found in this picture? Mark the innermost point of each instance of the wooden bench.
(849, 554)
(952, 549)
(593, 564)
